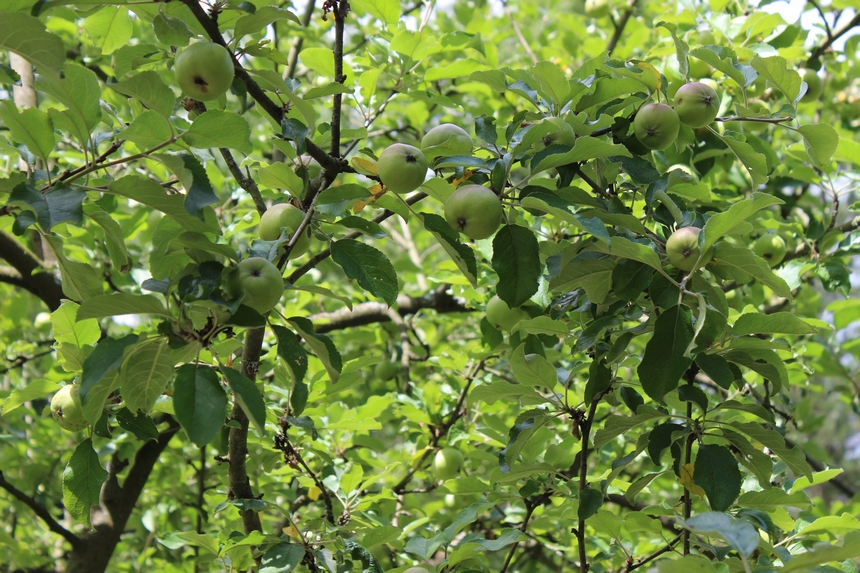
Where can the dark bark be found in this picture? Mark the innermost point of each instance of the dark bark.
(34, 277)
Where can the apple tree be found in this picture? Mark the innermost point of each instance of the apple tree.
(431, 286)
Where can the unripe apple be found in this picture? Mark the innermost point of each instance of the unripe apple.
(474, 210)
(204, 71)
(562, 134)
(446, 139)
(815, 87)
(402, 168)
(696, 104)
(682, 248)
(503, 317)
(289, 217)
(386, 370)
(447, 463)
(67, 409)
(656, 126)
(771, 248)
(261, 282)
(597, 8)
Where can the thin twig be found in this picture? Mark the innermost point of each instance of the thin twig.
(619, 27)
(246, 183)
(519, 33)
(817, 52)
(42, 512)
(293, 58)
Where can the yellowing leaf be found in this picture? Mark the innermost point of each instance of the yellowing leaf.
(687, 481)
(466, 174)
(291, 530)
(364, 166)
(647, 66)
(314, 492)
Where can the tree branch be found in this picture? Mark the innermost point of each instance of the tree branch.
(39, 280)
(246, 183)
(523, 42)
(42, 512)
(817, 52)
(340, 14)
(619, 27)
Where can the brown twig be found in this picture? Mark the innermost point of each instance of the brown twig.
(246, 183)
(523, 42)
(42, 512)
(619, 27)
(817, 52)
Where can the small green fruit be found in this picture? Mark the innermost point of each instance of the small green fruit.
(261, 282)
(656, 126)
(289, 217)
(696, 104)
(204, 71)
(814, 85)
(682, 248)
(562, 134)
(446, 139)
(447, 463)
(474, 211)
(503, 317)
(67, 409)
(386, 370)
(402, 168)
(771, 248)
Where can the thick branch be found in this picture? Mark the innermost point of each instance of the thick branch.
(40, 282)
(340, 19)
(439, 300)
(42, 512)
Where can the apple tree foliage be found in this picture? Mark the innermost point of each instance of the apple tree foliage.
(634, 416)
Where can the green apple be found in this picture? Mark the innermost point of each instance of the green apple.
(67, 409)
(447, 463)
(656, 126)
(446, 139)
(402, 168)
(562, 133)
(597, 8)
(696, 104)
(771, 248)
(814, 85)
(289, 217)
(386, 370)
(474, 210)
(682, 248)
(503, 317)
(204, 71)
(261, 282)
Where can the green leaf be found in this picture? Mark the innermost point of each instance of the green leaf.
(295, 359)
(118, 304)
(744, 264)
(110, 28)
(171, 31)
(778, 322)
(617, 425)
(80, 281)
(150, 90)
(716, 471)
(773, 498)
(725, 60)
(686, 564)
(217, 128)
(249, 397)
(26, 36)
(199, 402)
(107, 356)
(59, 205)
(153, 195)
(533, 369)
(590, 501)
(804, 482)
(821, 142)
(585, 149)
(280, 176)
(322, 346)
(386, 10)
(516, 259)
(594, 275)
(764, 361)
(82, 481)
(775, 69)
(140, 425)
(113, 236)
(36, 389)
(821, 554)
(68, 329)
(78, 89)
(754, 162)
(32, 127)
(793, 457)
(723, 223)
(145, 374)
(664, 362)
(462, 255)
(282, 558)
(253, 23)
(368, 266)
(625, 248)
(599, 379)
(741, 535)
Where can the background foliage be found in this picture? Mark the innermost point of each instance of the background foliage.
(638, 418)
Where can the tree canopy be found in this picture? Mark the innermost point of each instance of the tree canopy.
(588, 322)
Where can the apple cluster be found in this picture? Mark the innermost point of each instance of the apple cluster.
(656, 125)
